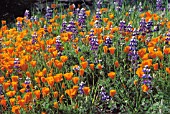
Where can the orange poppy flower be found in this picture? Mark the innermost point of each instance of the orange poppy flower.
(86, 90)
(6, 85)
(81, 72)
(84, 64)
(68, 76)
(105, 49)
(92, 66)
(168, 24)
(71, 92)
(33, 63)
(22, 90)
(88, 13)
(135, 82)
(145, 88)
(50, 81)
(37, 94)
(11, 93)
(116, 64)
(140, 72)
(142, 52)
(16, 109)
(111, 16)
(14, 85)
(111, 75)
(61, 98)
(112, 92)
(159, 54)
(3, 22)
(14, 78)
(45, 91)
(126, 49)
(99, 66)
(58, 77)
(63, 58)
(2, 79)
(21, 102)
(63, 85)
(53, 6)
(112, 50)
(167, 51)
(82, 58)
(55, 104)
(3, 102)
(75, 80)
(12, 101)
(55, 94)
(167, 70)
(155, 66)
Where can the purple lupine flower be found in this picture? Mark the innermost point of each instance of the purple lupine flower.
(104, 95)
(58, 43)
(118, 5)
(99, 4)
(81, 85)
(108, 42)
(146, 76)
(122, 25)
(64, 26)
(167, 40)
(159, 5)
(26, 14)
(94, 43)
(45, 28)
(129, 28)
(82, 18)
(133, 55)
(49, 13)
(98, 16)
(140, 7)
(142, 25)
(168, 6)
(34, 38)
(19, 26)
(17, 66)
(27, 82)
(1, 90)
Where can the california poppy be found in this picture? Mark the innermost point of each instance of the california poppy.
(37, 94)
(84, 64)
(55, 104)
(63, 58)
(111, 75)
(116, 64)
(112, 50)
(81, 72)
(112, 92)
(68, 76)
(145, 88)
(92, 66)
(105, 49)
(86, 90)
(75, 80)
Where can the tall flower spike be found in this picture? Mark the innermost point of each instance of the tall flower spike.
(108, 42)
(26, 14)
(19, 26)
(58, 45)
(104, 95)
(133, 56)
(49, 13)
(146, 76)
(81, 85)
(27, 82)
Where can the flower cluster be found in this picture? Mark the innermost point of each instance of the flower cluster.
(146, 76)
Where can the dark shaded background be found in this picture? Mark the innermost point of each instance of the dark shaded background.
(11, 9)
